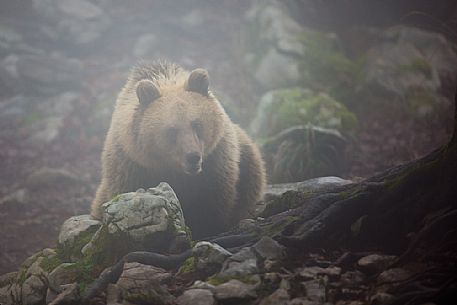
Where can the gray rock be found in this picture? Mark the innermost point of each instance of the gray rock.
(62, 275)
(275, 43)
(69, 295)
(11, 294)
(240, 264)
(4, 294)
(20, 196)
(305, 301)
(375, 262)
(408, 65)
(8, 278)
(47, 72)
(196, 297)
(202, 285)
(393, 274)
(145, 46)
(381, 298)
(277, 70)
(314, 272)
(315, 290)
(285, 108)
(33, 290)
(142, 214)
(50, 114)
(142, 283)
(235, 290)
(79, 22)
(6, 282)
(209, 254)
(77, 227)
(113, 295)
(352, 277)
(279, 297)
(270, 249)
(51, 177)
(277, 26)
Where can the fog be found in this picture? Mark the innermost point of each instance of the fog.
(370, 84)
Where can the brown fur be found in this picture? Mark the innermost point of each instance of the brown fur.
(149, 142)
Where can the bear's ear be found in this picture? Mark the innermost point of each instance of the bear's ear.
(198, 81)
(147, 91)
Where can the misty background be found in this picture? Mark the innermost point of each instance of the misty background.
(345, 88)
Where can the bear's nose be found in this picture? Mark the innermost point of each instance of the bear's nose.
(193, 158)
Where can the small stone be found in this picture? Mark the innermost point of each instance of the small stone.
(139, 274)
(381, 298)
(375, 262)
(315, 290)
(268, 248)
(140, 283)
(235, 290)
(352, 277)
(209, 254)
(75, 227)
(246, 224)
(314, 272)
(196, 297)
(240, 264)
(394, 274)
(279, 297)
(202, 285)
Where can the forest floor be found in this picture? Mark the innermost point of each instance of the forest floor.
(26, 227)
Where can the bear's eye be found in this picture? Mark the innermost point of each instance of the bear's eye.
(197, 126)
(172, 134)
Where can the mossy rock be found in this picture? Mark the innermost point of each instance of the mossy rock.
(281, 109)
(325, 67)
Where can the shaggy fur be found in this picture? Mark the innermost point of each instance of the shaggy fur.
(150, 141)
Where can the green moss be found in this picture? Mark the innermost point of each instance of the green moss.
(296, 106)
(67, 252)
(349, 193)
(189, 266)
(116, 198)
(87, 272)
(22, 276)
(286, 202)
(50, 263)
(417, 65)
(277, 227)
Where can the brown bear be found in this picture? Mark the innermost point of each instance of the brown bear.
(167, 126)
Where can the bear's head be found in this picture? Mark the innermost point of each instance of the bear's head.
(175, 127)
